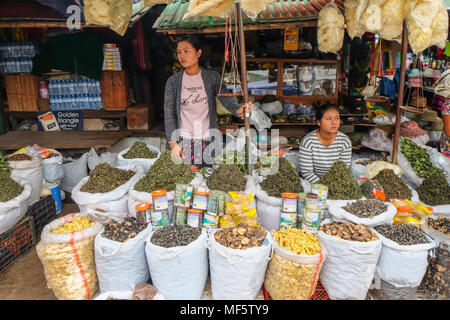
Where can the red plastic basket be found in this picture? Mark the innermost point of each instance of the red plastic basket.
(319, 294)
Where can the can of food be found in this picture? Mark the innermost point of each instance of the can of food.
(289, 203)
(160, 201)
(312, 201)
(180, 217)
(288, 220)
(200, 200)
(160, 218)
(216, 202)
(210, 221)
(322, 193)
(183, 195)
(311, 220)
(195, 218)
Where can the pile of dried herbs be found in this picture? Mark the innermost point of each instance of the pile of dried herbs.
(236, 158)
(227, 177)
(4, 165)
(434, 190)
(285, 180)
(105, 178)
(340, 183)
(418, 158)
(393, 186)
(165, 174)
(9, 189)
(174, 236)
(140, 150)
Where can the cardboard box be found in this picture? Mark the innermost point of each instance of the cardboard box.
(137, 118)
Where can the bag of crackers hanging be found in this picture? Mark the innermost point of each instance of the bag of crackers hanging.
(66, 251)
(295, 265)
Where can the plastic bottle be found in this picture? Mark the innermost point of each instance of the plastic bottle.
(43, 90)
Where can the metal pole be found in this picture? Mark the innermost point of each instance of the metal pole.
(400, 94)
(244, 84)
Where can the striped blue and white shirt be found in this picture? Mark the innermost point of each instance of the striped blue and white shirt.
(316, 159)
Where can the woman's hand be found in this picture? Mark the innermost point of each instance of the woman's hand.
(249, 109)
(177, 151)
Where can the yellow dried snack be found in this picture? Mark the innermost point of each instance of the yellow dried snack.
(330, 30)
(298, 241)
(77, 224)
(254, 6)
(214, 8)
(440, 27)
(354, 27)
(372, 19)
(394, 12)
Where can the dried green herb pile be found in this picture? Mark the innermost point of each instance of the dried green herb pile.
(9, 189)
(366, 208)
(105, 178)
(418, 158)
(403, 234)
(4, 165)
(140, 150)
(121, 232)
(173, 236)
(238, 159)
(434, 190)
(285, 180)
(340, 183)
(165, 174)
(393, 186)
(227, 177)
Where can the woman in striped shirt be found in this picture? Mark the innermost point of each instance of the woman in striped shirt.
(322, 147)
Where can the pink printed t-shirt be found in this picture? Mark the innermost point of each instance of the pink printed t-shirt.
(194, 111)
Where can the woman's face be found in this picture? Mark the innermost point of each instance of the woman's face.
(187, 55)
(330, 121)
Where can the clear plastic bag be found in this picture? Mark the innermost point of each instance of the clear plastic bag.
(212, 8)
(330, 29)
(372, 18)
(260, 120)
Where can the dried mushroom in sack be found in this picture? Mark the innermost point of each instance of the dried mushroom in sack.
(349, 231)
(18, 157)
(437, 276)
(105, 178)
(366, 208)
(173, 236)
(121, 232)
(140, 150)
(403, 234)
(441, 224)
(241, 236)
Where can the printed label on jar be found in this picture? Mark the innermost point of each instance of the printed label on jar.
(289, 202)
(194, 219)
(210, 221)
(157, 219)
(321, 191)
(216, 202)
(180, 216)
(288, 220)
(311, 220)
(200, 201)
(160, 202)
(183, 195)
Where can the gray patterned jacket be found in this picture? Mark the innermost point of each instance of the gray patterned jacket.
(172, 100)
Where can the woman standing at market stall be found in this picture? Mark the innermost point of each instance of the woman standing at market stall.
(442, 90)
(190, 105)
(322, 147)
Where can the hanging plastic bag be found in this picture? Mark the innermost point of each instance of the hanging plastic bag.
(121, 265)
(246, 269)
(31, 171)
(15, 209)
(252, 7)
(403, 266)
(350, 266)
(372, 169)
(377, 140)
(145, 163)
(179, 273)
(74, 171)
(68, 259)
(339, 214)
(353, 12)
(330, 29)
(212, 8)
(107, 157)
(260, 120)
(372, 18)
(115, 200)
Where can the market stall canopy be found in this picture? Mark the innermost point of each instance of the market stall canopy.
(278, 14)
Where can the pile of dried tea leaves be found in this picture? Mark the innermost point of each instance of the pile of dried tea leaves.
(285, 180)
(434, 190)
(393, 186)
(174, 236)
(165, 174)
(9, 189)
(340, 183)
(105, 178)
(4, 165)
(227, 177)
(140, 150)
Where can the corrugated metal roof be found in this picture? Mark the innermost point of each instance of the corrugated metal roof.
(278, 11)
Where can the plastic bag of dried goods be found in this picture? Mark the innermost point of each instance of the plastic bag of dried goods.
(68, 259)
(212, 8)
(373, 168)
(350, 266)
(179, 273)
(253, 7)
(440, 27)
(372, 18)
(121, 265)
(420, 21)
(116, 200)
(353, 11)
(74, 171)
(13, 210)
(244, 268)
(31, 171)
(402, 265)
(391, 31)
(394, 12)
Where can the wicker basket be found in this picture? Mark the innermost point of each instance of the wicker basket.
(382, 101)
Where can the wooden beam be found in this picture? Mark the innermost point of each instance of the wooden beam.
(221, 29)
(41, 24)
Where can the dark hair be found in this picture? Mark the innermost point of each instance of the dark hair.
(193, 40)
(324, 108)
